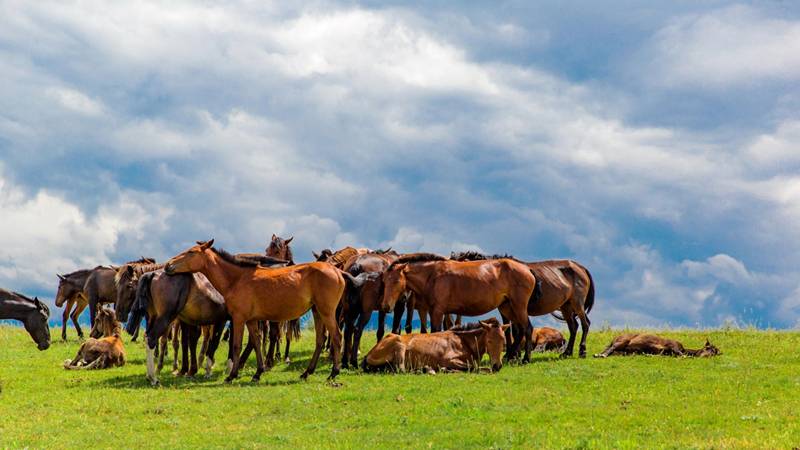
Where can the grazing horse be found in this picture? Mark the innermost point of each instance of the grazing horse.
(563, 285)
(362, 297)
(650, 344)
(460, 348)
(31, 312)
(163, 299)
(102, 353)
(254, 293)
(469, 288)
(70, 290)
(546, 339)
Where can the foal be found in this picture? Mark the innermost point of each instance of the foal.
(101, 353)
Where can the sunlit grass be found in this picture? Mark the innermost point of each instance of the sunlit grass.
(748, 397)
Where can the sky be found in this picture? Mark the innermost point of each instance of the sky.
(656, 143)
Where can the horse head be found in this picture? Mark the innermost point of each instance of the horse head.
(192, 260)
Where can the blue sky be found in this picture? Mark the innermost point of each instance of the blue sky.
(655, 143)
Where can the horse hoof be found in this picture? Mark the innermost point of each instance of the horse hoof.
(304, 376)
(287, 361)
(255, 379)
(582, 355)
(565, 355)
(228, 380)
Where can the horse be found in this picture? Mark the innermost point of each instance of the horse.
(100, 287)
(362, 297)
(460, 348)
(163, 299)
(279, 248)
(470, 288)
(32, 312)
(650, 344)
(70, 290)
(104, 347)
(563, 285)
(546, 338)
(340, 257)
(254, 293)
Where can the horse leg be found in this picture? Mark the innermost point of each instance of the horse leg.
(349, 324)
(274, 342)
(507, 332)
(528, 342)
(584, 332)
(362, 322)
(437, 318)
(76, 313)
(135, 335)
(262, 329)
(255, 337)
(319, 328)
(381, 325)
(163, 343)
(448, 322)
(213, 344)
(205, 330)
(572, 324)
(194, 337)
(410, 303)
(288, 336)
(65, 319)
(423, 319)
(176, 342)
(156, 327)
(335, 336)
(397, 317)
(236, 337)
(185, 337)
(247, 350)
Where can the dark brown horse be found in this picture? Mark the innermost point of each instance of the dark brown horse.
(650, 344)
(70, 291)
(362, 297)
(563, 285)
(254, 293)
(33, 314)
(279, 248)
(100, 287)
(163, 299)
(104, 348)
(469, 288)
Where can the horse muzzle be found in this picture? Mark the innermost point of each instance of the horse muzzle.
(168, 269)
(43, 345)
(496, 367)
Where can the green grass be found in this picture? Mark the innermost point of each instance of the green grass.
(746, 398)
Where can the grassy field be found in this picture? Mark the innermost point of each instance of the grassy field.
(747, 398)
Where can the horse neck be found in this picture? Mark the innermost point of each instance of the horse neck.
(144, 268)
(475, 343)
(16, 309)
(222, 274)
(690, 352)
(418, 276)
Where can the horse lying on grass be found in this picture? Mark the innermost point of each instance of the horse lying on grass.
(101, 353)
(548, 339)
(650, 344)
(460, 348)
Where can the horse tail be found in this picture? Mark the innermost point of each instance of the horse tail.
(587, 306)
(292, 329)
(139, 308)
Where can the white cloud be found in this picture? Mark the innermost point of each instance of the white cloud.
(727, 47)
(76, 101)
(722, 267)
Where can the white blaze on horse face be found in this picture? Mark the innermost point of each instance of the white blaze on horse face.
(151, 368)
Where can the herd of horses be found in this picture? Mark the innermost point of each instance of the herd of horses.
(200, 291)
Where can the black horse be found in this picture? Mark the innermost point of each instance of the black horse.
(31, 311)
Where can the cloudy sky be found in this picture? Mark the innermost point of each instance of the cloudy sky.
(659, 144)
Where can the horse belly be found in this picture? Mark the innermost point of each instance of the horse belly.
(551, 300)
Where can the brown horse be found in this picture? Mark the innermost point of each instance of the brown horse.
(546, 339)
(102, 353)
(362, 297)
(340, 257)
(279, 248)
(650, 344)
(468, 288)
(33, 314)
(563, 285)
(460, 348)
(254, 293)
(163, 299)
(100, 287)
(70, 291)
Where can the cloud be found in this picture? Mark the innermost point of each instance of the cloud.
(727, 47)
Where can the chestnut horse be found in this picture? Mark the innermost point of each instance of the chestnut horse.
(70, 290)
(104, 348)
(279, 248)
(460, 348)
(563, 285)
(468, 288)
(254, 293)
(33, 314)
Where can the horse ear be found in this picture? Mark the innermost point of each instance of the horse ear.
(129, 269)
(206, 245)
(273, 236)
(288, 240)
(61, 277)
(505, 327)
(708, 343)
(316, 256)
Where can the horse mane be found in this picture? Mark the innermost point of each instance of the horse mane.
(477, 256)
(142, 260)
(383, 251)
(248, 261)
(415, 258)
(77, 273)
